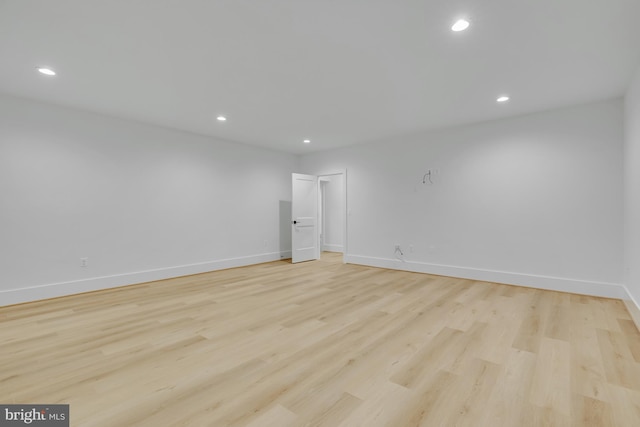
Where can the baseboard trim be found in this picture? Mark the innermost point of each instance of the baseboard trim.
(632, 307)
(600, 289)
(53, 290)
(332, 248)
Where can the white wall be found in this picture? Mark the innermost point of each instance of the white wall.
(632, 189)
(333, 213)
(141, 202)
(533, 200)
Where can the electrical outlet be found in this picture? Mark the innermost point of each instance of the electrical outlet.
(411, 248)
(84, 262)
(265, 244)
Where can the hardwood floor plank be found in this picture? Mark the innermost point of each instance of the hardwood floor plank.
(620, 368)
(632, 336)
(533, 324)
(509, 400)
(428, 357)
(551, 385)
(625, 406)
(428, 396)
(592, 412)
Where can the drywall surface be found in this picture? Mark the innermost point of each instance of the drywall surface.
(138, 202)
(534, 200)
(632, 189)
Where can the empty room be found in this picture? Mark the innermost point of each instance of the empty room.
(320, 213)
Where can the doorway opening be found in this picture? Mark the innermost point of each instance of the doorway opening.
(319, 215)
(331, 214)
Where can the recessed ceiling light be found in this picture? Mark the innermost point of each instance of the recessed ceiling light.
(307, 141)
(221, 118)
(47, 71)
(460, 25)
(503, 98)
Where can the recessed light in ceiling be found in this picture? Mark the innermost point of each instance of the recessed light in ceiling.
(460, 25)
(221, 118)
(307, 141)
(47, 71)
(503, 98)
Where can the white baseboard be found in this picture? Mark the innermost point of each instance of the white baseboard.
(585, 287)
(53, 290)
(332, 248)
(632, 307)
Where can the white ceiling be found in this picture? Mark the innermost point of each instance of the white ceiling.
(336, 71)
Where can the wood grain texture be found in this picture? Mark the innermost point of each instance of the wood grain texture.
(324, 344)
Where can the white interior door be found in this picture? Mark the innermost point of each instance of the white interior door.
(304, 221)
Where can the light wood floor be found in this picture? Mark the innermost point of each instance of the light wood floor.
(324, 344)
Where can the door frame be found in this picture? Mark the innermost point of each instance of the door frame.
(345, 209)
